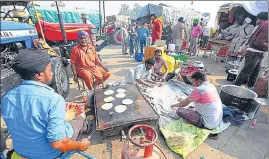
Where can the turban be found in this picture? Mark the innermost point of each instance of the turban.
(263, 16)
(195, 20)
(180, 19)
(30, 62)
(248, 20)
(82, 33)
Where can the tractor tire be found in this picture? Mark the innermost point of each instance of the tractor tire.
(9, 80)
(60, 82)
(116, 37)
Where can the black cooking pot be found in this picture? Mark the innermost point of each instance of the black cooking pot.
(238, 97)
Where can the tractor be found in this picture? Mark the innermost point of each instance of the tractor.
(18, 35)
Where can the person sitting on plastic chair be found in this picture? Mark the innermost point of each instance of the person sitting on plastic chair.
(86, 63)
(35, 114)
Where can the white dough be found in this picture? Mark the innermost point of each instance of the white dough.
(120, 90)
(109, 99)
(107, 106)
(127, 101)
(120, 108)
(108, 92)
(120, 95)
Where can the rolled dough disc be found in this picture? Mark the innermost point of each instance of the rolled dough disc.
(108, 92)
(120, 90)
(109, 99)
(120, 108)
(127, 101)
(120, 95)
(107, 106)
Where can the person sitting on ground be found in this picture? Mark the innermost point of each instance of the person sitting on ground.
(143, 33)
(86, 63)
(208, 106)
(35, 114)
(142, 74)
(159, 63)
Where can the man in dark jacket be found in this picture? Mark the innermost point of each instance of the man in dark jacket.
(258, 45)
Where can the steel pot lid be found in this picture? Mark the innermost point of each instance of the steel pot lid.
(238, 91)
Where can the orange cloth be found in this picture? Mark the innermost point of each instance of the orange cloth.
(156, 30)
(87, 65)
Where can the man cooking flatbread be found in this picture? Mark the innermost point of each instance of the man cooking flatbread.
(142, 74)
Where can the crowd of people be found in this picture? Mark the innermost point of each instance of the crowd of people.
(35, 114)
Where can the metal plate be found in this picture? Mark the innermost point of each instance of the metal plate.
(140, 110)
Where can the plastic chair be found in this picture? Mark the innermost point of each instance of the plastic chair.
(81, 84)
(222, 52)
(207, 48)
(185, 45)
(69, 154)
(65, 155)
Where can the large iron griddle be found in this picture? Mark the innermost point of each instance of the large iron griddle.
(138, 112)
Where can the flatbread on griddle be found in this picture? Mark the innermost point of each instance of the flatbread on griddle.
(109, 99)
(120, 108)
(107, 106)
(120, 95)
(127, 101)
(120, 90)
(109, 92)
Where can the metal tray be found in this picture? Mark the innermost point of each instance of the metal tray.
(139, 111)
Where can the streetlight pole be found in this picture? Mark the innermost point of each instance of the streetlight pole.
(61, 23)
(100, 18)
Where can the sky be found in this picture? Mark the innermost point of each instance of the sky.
(113, 7)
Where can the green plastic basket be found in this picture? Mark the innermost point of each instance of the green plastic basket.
(181, 57)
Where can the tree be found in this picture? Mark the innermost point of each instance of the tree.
(124, 10)
(135, 10)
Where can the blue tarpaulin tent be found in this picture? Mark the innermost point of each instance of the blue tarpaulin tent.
(68, 16)
(150, 9)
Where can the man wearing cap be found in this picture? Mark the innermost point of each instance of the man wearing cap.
(156, 28)
(86, 63)
(195, 34)
(179, 34)
(35, 114)
(257, 49)
(244, 33)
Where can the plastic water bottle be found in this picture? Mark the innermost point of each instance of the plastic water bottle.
(254, 121)
(238, 59)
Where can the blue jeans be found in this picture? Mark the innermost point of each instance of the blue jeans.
(132, 44)
(142, 44)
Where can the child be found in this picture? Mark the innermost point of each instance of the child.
(143, 33)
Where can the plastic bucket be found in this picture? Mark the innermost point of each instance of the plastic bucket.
(139, 57)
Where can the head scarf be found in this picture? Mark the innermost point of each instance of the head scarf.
(30, 62)
(263, 16)
(195, 20)
(82, 33)
(180, 19)
(248, 20)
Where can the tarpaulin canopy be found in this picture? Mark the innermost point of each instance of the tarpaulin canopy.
(169, 14)
(255, 7)
(150, 9)
(68, 16)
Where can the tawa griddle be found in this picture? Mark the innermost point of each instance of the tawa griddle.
(139, 111)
